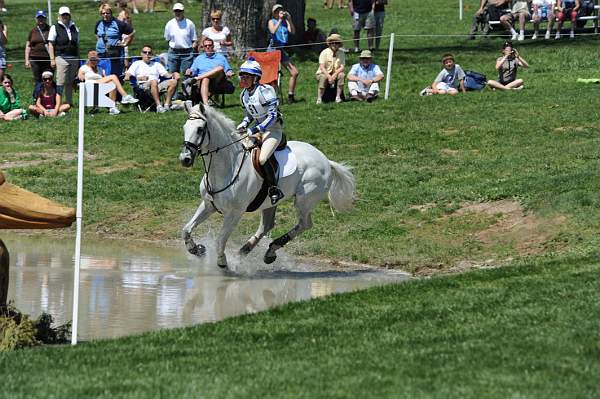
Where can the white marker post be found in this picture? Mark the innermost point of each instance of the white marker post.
(388, 76)
(90, 95)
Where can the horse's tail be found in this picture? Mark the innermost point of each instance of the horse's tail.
(342, 190)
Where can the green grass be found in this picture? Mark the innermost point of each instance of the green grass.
(529, 330)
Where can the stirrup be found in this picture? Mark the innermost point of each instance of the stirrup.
(275, 194)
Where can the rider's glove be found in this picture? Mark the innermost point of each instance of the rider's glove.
(242, 126)
(249, 143)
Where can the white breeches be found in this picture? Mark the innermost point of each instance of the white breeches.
(271, 139)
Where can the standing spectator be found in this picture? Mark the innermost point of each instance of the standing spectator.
(63, 47)
(364, 78)
(47, 103)
(280, 27)
(219, 34)
(149, 6)
(480, 19)
(209, 69)
(109, 34)
(10, 103)
(507, 66)
(543, 9)
(567, 9)
(450, 77)
(314, 36)
(36, 48)
(3, 41)
(126, 39)
(2, 8)
(180, 32)
(520, 11)
(379, 12)
(90, 71)
(148, 72)
(331, 68)
(363, 17)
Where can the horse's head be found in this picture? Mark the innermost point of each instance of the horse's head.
(195, 134)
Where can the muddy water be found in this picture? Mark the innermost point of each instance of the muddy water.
(129, 288)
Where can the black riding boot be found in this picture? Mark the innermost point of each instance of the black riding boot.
(274, 192)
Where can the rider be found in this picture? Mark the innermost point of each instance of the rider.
(260, 103)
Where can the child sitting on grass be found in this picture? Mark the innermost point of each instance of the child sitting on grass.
(450, 79)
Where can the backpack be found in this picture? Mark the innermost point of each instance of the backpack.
(475, 81)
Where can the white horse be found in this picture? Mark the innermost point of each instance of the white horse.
(231, 183)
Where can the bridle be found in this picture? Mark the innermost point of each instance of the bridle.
(195, 148)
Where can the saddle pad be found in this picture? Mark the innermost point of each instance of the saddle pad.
(287, 162)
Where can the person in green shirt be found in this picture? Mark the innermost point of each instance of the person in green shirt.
(10, 104)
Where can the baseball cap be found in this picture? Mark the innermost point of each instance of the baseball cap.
(64, 10)
(276, 7)
(40, 13)
(178, 7)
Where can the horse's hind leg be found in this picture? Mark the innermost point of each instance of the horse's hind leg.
(202, 213)
(304, 223)
(267, 222)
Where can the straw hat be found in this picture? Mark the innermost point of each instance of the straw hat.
(334, 38)
(366, 54)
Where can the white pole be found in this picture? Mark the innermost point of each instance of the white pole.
(388, 76)
(460, 9)
(79, 214)
(49, 12)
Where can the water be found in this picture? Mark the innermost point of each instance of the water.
(129, 288)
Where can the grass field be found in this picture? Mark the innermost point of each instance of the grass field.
(445, 184)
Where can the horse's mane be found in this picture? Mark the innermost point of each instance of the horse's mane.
(218, 123)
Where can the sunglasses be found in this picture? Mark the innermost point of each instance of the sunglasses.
(65, 15)
(146, 52)
(107, 13)
(208, 45)
(6, 82)
(94, 59)
(47, 79)
(216, 19)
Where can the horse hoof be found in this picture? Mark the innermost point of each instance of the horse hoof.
(198, 250)
(268, 259)
(245, 250)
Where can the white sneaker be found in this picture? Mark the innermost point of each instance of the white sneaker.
(160, 109)
(547, 36)
(63, 114)
(177, 105)
(572, 35)
(3, 9)
(428, 91)
(534, 37)
(319, 101)
(521, 37)
(114, 111)
(135, 11)
(128, 99)
(514, 36)
(338, 100)
(557, 36)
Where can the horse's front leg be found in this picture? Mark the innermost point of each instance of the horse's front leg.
(230, 220)
(202, 213)
(267, 222)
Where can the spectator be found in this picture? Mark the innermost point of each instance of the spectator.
(109, 33)
(314, 36)
(496, 8)
(280, 26)
(543, 9)
(450, 77)
(90, 71)
(147, 72)
(149, 6)
(363, 15)
(219, 34)
(379, 13)
(2, 8)
(209, 69)
(480, 19)
(507, 66)
(36, 48)
(3, 41)
(364, 78)
(567, 8)
(520, 11)
(133, 7)
(126, 39)
(47, 103)
(331, 68)
(180, 32)
(63, 47)
(10, 104)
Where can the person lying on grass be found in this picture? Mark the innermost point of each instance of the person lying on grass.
(507, 66)
(450, 79)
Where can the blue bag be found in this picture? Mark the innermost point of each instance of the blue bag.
(475, 81)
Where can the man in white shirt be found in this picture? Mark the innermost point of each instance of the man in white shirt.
(180, 32)
(148, 72)
(63, 48)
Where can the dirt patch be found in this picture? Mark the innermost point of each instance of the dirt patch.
(423, 208)
(20, 161)
(114, 168)
(567, 129)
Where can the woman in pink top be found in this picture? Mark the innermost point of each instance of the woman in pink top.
(48, 100)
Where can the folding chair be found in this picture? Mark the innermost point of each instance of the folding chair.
(269, 62)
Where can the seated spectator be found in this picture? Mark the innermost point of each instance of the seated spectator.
(208, 70)
(314, 36)
(543, 9)
(90, 71)
(507, 66)
(10, 104)
(331, 68)
(148, 72)
(364, 78)
(520, 11)
(567, 9)
(450, 77)
(48, 102)
(219, 34)
(497, 8)
(480, 20)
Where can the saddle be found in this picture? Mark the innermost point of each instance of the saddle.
(262, 194)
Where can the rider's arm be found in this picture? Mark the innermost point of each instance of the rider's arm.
(271, 106)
